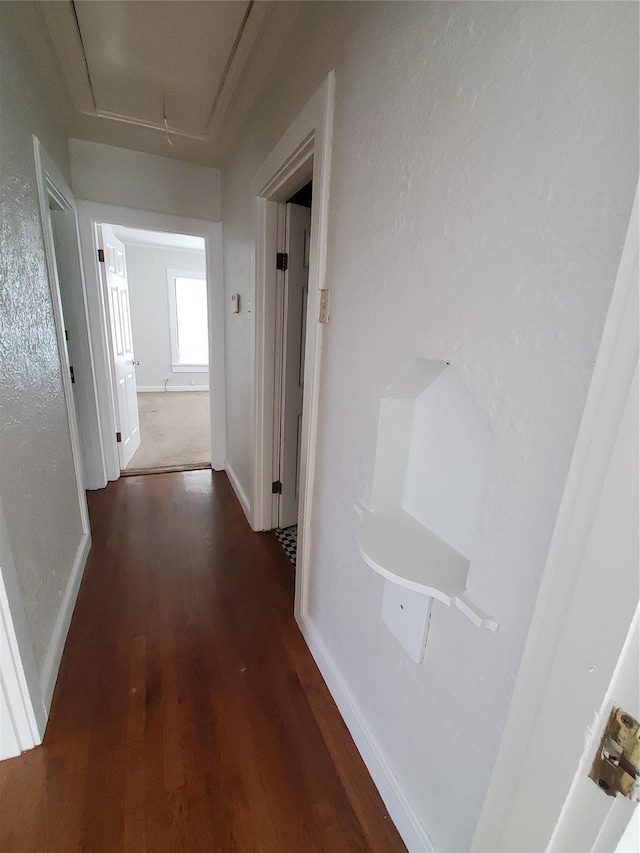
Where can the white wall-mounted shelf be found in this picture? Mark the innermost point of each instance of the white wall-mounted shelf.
(431, 456)
(404, 551)
(401, 549)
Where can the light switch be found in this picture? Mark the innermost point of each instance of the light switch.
(235, 303)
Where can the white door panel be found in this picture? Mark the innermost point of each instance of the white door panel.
(298, 228)
(592, 821)
(122, 345)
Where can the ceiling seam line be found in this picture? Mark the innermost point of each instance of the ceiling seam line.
(225, 73)
(84, 55)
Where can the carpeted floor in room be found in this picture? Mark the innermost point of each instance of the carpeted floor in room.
(174, 431)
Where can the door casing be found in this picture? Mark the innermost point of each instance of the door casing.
(303, 154)
(92, 214)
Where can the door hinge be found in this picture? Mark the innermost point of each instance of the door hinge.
(119, 437)
(101, 255)
(282, 261)
(276, 488)
(616, 767)
(66, 335)
(73, 378)
(324, 307)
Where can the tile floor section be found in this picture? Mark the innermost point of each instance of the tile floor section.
(288, 538)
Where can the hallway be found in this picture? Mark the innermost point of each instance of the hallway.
(188, 713)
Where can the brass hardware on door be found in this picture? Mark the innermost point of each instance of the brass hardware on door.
(616, 766)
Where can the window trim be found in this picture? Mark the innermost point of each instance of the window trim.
(176, 365)
(189, 368)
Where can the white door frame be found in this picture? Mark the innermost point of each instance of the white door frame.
(92, 214)
(51, 182)
(26, 694)
(537, 758)
(287, 168)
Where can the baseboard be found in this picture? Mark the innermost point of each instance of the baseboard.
(56, 645)
(19, 729)
(394, 798)
(142, 389)
(237, 488)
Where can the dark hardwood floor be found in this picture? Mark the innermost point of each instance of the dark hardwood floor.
(188, 713)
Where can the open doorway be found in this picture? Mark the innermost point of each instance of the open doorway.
(293, 290)
(302, 155)
(65, 244)
(155, 294)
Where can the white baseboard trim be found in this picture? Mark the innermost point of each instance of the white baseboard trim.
(142, 389)
(394, 798)
(240, 492)
(19, 729)
(58, 638)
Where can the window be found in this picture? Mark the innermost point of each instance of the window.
(188, 322)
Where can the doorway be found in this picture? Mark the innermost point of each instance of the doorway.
(292, 301)
(156, 311)
(63, 230)
(302, 155)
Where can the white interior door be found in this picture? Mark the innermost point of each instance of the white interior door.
(580, 659)
(122, 346)
(591, 820)
(296, 283)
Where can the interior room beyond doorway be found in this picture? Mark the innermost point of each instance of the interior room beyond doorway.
(156, 287)
(290, 356)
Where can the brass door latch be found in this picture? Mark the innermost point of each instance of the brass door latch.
(616, 767)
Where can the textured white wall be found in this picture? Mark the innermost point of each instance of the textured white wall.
(484, 163)
(125, 178)
(147, 269)
(37, 481)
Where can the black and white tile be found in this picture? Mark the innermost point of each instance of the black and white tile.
(288, 538)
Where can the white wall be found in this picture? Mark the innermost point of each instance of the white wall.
(484, 162)
(147, 270)
(37, 482)
(125, 178)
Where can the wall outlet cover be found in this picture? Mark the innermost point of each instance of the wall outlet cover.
(407, 615)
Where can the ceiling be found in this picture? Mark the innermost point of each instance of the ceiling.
(158, 239)
(154, 76)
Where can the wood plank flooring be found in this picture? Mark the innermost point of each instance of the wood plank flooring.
(188, 713)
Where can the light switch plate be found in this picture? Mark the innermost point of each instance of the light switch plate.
(407, 615)
(235, 303)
